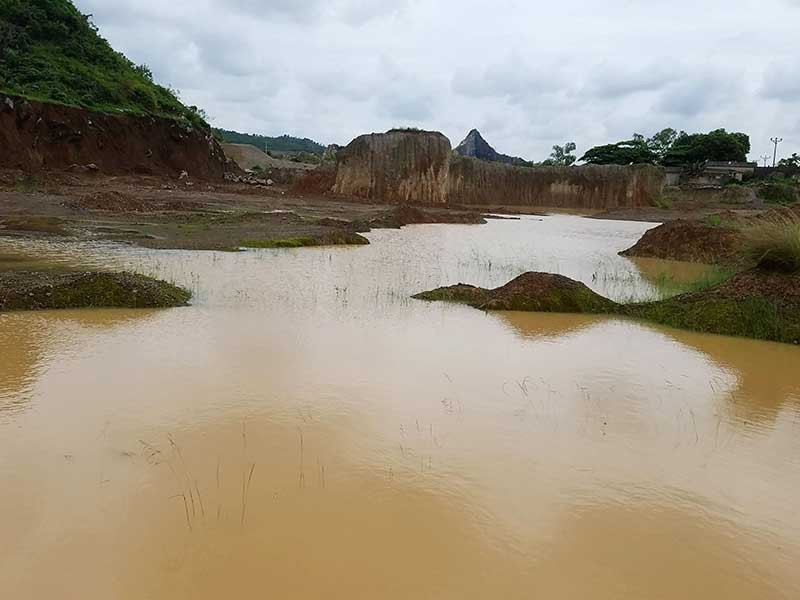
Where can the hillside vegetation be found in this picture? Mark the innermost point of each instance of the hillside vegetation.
(51, 52)
(283, 144)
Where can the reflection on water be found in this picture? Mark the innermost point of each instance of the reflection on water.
(306, 430)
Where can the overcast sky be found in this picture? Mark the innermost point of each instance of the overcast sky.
(528, 74)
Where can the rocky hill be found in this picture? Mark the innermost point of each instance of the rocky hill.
(475, 146)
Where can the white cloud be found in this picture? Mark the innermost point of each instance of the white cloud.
(527, 73)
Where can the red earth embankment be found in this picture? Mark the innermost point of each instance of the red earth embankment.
(36, 135)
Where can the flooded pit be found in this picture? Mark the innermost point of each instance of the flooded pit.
(306, 430)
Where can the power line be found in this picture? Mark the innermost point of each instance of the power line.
(775, 141)
(765, 158)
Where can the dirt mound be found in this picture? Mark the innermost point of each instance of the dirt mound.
(317, 182)
(33, 290)
(37, 135)
(546, 292)
(111, 201)
(690, 241)
(461, 292)
(413, 215)
(535, 292)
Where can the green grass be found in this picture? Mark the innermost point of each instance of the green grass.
(669, 286)
(754, 317)
(295, 242)
(774, 244)
(51, 52)
(780, 190)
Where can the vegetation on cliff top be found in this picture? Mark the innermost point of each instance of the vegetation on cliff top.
(51, 52)
(282, 144)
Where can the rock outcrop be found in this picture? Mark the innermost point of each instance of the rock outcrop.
(418, 167)
(477, 182)
(36, 135)
(476, 147)
(395, 167)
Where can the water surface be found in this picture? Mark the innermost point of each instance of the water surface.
(306, 430)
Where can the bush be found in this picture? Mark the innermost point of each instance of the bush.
(774, 244)
(781, 190)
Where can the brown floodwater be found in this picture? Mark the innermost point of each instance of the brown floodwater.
(306, 430)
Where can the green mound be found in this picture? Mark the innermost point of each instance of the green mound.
(36, 290)
(755, 303)
(51, 52)
(336, 238)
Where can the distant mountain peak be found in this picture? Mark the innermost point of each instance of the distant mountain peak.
(476, 146)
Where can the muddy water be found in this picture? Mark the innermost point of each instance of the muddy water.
(304, 430)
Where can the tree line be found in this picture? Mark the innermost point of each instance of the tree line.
(667, 148)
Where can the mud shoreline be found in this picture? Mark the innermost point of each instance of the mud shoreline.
(170, 213)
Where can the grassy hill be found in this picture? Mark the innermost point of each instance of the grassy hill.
(51, 52)
(284, 144)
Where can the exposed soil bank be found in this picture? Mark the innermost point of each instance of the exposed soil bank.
(753, 303)
(37, 290)
(36, 135)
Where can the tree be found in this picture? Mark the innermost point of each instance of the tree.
(793, 161)
(717, 145)
(661, 142)
(636, 151)
(562, 156)
(629, 152)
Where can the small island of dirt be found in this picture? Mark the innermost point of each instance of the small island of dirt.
(41, 290)
(754, 303)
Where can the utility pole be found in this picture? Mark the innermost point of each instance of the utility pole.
(775, 141)
(765, 158)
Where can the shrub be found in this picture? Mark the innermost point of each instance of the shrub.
(780, 190)
(774, 243)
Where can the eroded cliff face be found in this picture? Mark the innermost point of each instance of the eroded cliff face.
(395, 167)
(419, 167)
(36, 135)
(478, 182)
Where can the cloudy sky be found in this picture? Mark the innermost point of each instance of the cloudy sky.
(528, 74)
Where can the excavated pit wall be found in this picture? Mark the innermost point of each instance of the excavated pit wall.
(419, 167)
(395, 167)
(36, 135)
